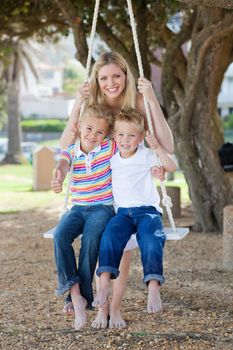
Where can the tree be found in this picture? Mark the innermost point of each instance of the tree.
(190, 82)
(19, 21)
(193, 63)
(17, 56)
(190, 97)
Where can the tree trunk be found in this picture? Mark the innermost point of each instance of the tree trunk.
(14, 154)
(197, 137)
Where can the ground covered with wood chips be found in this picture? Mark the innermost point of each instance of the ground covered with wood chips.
(197, 296)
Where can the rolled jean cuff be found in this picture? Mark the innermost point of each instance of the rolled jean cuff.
(112, 270)
(156, 277)
(67, 286)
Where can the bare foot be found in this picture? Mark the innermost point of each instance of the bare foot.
(116, 320)
(68, 309)
(101, 320)
(154, 303)
(80, 313)
(103, 291)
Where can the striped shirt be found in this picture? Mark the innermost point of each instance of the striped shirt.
(91, 182)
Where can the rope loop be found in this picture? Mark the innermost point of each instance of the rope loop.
(167, 202)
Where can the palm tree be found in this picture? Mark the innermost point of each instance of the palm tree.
(15, 68)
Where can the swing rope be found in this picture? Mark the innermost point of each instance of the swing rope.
(166, 200)
(88, 68)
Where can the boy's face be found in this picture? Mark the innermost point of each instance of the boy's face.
(127, 136)
(92, 132)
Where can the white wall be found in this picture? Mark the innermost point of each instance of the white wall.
(53, 107)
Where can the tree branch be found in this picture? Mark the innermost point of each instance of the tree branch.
(116, 44)
(76, 23)
(227, 4)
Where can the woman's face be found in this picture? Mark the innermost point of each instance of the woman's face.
(111, 80)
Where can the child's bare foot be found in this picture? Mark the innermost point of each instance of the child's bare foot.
(68, 309)
(116, 320)
(101, 320)
(154, 303)
(80, 313)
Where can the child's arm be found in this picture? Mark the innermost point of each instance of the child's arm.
(59, 175)
(166, 159)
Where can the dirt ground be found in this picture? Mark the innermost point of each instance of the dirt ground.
(197, 296)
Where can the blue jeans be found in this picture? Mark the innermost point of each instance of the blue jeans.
(147, 222)
(90, 221)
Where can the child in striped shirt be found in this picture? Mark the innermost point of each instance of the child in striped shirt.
(92, 208)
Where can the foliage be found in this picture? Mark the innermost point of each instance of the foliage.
(27, 18)
(73, 78)
(228, 122)
(43, 125)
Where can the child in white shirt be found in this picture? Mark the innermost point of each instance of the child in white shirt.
(137, 203)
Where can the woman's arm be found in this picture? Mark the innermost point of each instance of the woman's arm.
(70, 132)
(161, 129)
(166, 159)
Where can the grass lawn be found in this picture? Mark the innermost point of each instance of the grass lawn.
(16, 182)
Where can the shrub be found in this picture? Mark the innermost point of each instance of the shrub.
(228, 122)
(43, 125)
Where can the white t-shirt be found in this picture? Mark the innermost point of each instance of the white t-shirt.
(132, 183)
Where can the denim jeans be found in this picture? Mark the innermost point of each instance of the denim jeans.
(147, 222)
(90, 221)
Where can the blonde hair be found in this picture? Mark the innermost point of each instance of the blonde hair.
(99, 112)
(129, 93)
(131, 115)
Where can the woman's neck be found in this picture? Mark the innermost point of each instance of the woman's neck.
(114, 106)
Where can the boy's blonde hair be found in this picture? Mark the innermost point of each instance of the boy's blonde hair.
(131, 115)
(99, 112)
(129, 93)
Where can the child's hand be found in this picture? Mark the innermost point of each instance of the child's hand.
(151, 140)
(158, 172)
(57, 181)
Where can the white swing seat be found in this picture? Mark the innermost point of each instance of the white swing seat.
(179, 233)
(171, 235)
(49, 233)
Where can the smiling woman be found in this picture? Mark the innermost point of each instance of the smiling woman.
(112, 83)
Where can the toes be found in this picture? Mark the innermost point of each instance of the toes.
(99, 324)
(117, 324)
(68, 309)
